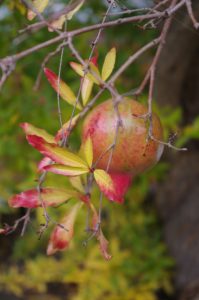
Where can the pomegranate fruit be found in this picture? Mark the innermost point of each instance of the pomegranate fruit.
(133, 152)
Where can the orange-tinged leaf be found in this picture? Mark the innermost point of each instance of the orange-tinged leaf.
(30, 129)
(62, 235)
(78, 68)
(56, 153)
(65, 170)
(66, 128)
(113, 185)
(39, 6)
(86, 90)
(104, 181)
(87, 149)
(61, 87)
(50, 196)
(109, 63)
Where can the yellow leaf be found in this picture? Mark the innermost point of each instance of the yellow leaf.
(109, 64)
(56, 153)
(79, 69)
(86, 90)
(66, 170)
(88, 151)
(39, 6)
(104, 181)
(61, 87)
(30, 129)
(77, 183)
(95, 71)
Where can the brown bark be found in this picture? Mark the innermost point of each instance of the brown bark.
(178, 197)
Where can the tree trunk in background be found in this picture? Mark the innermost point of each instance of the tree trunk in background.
(178, 197)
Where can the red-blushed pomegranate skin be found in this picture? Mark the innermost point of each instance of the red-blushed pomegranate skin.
(133, 153)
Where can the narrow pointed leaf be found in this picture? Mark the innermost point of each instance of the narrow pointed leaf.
(61, 87)
(109, 64)
(104, 245)
(50, 196)
(65, 170)
(56, 153)
(39, 5)
(63, 233)
(87, 150)
(86, 90)
(79, 69)
(99, 234)
(95, 71)
(66, 128)
(76, 182)
(30, 129)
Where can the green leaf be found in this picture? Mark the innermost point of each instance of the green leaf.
(76, 182)
(109, 64)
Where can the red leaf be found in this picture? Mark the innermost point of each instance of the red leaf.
(50, 197)
(56, 153)
(61, 237)
(122, 182)
(113, 185)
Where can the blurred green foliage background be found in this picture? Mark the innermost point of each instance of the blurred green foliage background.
(141, 266)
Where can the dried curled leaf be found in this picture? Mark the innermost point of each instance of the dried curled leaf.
(99, 234)
(73, 8)
(108, 64)
(86, 90)
(39, 6)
